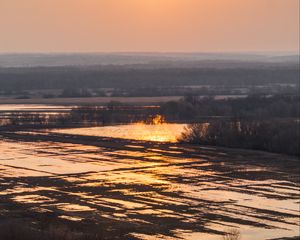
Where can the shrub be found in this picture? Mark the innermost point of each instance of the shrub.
(281, 136)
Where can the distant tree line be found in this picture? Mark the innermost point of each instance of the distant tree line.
(159, 91)
(194, 108)
(12, 79)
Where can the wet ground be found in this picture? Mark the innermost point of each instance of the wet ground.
(148, 190)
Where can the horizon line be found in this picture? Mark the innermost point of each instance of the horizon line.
(148, 52)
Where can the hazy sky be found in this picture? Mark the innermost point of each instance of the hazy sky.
(148, 25)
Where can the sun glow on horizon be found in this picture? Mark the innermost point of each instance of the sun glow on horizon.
(158, 4)
(149, 25)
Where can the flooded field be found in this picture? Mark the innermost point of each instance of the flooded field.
(32, 107)
(146, 190)
(9, 111)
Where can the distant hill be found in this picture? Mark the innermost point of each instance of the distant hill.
(149, 59)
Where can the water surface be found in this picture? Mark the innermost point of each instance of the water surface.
(160, 133)
(32, 107)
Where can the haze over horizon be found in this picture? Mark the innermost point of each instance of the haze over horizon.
(201, 26)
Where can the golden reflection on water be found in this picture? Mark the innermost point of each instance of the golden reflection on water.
(164, 132)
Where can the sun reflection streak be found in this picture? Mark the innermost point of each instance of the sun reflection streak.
(154, 129)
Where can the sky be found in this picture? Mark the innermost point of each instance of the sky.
(149, 26)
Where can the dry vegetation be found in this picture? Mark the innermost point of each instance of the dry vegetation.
(23, 231)
(232, 234)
